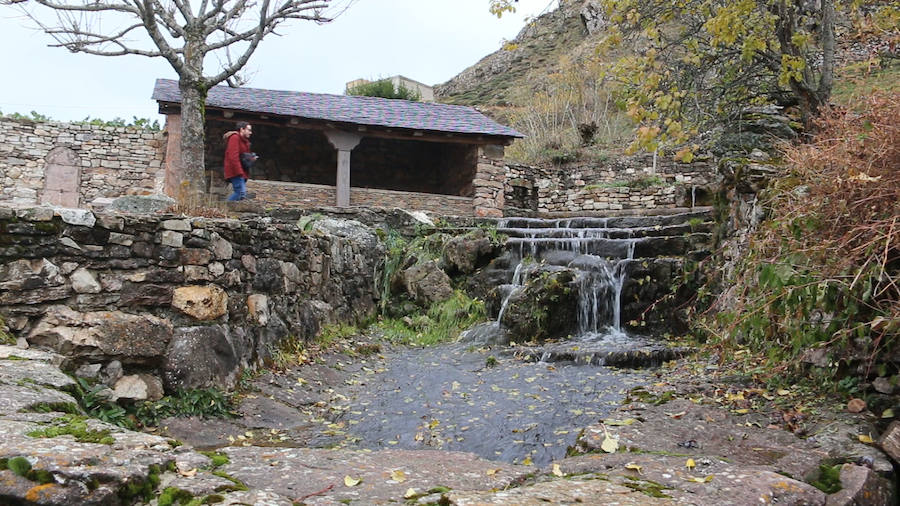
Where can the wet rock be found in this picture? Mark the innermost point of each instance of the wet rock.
(545, 307)
(257, 498)
(138, 387)
(715, 433)
(574, 491)
(468, 252)
(201, 357)
(299, 472)
(861, 486)
(130, 338)
(202, 302)
(426, 283)
(265, 413)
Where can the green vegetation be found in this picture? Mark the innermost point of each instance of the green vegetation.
(443, 321)
(218, 459)
(22, 467)
(207, 403)
(822, 273)
(5, 337)
(829, 479)
(384, 88)
(76, 426)
(142, 123)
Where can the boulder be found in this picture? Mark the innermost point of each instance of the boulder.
(201, 357)
(102, 334)
(545, 307)
(201, 302)
(860, 485)
(468, 252)
(138, 387)
(426, 283)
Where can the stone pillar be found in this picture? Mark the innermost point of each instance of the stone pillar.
(344, 142)
(62, 178)
(489, 182)
(174, 169)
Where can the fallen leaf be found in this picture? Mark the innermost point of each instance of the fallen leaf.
(189, 473)
(351, 482)
(556, 470)
(491, 472)
(782, 392)
(865, 438)
(888, 413)
(700, 480)
(627, 421)
(609, 444)
(634, 467)
(527, 461)
(690, 464)
(398, 476)
(742, 411)
(676, 415)
(410, 493)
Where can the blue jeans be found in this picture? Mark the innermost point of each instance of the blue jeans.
(239, 185)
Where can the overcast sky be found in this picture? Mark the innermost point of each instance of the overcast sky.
(427, 40)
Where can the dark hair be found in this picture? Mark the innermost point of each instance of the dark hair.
(242, 124)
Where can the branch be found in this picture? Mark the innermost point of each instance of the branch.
(92, 7)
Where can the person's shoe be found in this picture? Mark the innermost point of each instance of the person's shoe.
(249, 195)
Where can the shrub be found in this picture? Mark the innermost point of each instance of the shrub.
(384, 88)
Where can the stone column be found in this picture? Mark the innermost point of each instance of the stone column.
(489, 182)
(174, 168)
(344, 142)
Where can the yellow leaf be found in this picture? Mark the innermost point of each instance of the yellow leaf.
(783, 392)
(609, 445)
(888, 413)
(527, 461)
(700, 480)
(627, 421)
(865, 438)
(556, 470)
(742, 411)
(398, 476)
(634, 467)
(410, 493)
(690, 464)
(491, 472)
(351, 482)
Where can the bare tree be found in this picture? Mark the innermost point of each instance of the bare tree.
(184, 34)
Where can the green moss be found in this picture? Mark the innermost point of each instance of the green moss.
(238, 484)
(647, 487)
(829, 479)
(51, 407)
(218, 459)
(76, 426)
(174, 495)
(19, 465)
(47, 227)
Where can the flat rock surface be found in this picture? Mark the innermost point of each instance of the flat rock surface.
(34, 372)
(383, 475)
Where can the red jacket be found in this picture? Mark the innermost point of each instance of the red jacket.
(235, 144)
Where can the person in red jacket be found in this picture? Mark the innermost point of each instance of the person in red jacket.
(236, 143)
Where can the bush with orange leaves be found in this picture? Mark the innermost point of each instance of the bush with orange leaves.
(824, 269)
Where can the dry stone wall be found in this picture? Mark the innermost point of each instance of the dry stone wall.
(188, 301)
(83, 162)
(621, 184)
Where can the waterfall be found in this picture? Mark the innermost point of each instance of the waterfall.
(600, 253)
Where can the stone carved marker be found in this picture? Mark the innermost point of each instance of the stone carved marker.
(62, 178)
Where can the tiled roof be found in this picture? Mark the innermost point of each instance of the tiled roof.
(369, 111)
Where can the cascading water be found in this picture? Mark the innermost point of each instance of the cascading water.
(601, 254)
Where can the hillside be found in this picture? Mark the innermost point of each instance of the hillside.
(536, 50)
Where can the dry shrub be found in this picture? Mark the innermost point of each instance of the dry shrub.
(852, 171)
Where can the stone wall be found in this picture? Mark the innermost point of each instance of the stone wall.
(626, 183)
(85, 162)
(273, 193)
(189, 301)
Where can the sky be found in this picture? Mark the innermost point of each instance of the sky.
(429, 41)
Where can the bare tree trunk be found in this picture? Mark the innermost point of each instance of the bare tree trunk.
(193, 104)
(827, 37)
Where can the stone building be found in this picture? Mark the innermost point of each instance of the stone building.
(318, 149)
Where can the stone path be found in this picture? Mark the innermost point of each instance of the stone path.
(384, 429)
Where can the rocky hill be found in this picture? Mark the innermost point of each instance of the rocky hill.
(535, 51)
